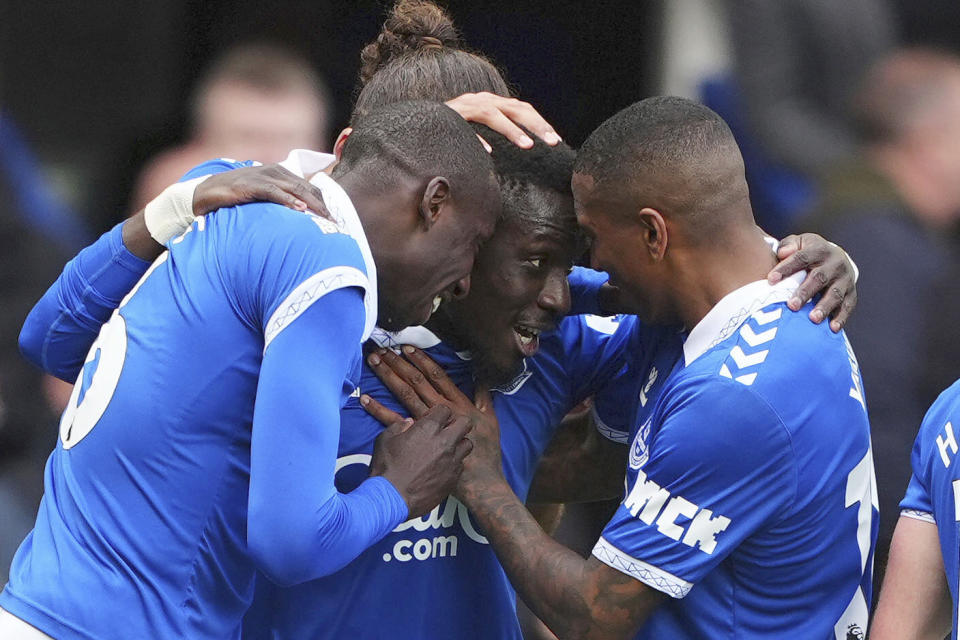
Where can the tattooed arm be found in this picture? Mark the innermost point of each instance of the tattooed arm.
(576, 598)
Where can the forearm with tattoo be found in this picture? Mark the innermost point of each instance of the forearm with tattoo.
(576, 598)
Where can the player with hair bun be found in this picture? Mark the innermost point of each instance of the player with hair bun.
(436, 576)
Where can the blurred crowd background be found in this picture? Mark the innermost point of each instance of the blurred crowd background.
(848, 114)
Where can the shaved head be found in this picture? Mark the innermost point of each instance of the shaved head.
(419, 139)
(672, 155)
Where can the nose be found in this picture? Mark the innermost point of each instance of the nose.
(461, 288)
(555, 295)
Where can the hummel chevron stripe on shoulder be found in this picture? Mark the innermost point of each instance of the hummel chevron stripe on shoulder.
(754, 339)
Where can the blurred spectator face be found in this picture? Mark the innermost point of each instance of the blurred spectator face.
(937, 137)
(241, 121)
(910, 108)
(256, 102)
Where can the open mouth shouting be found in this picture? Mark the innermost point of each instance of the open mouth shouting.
(528, 339)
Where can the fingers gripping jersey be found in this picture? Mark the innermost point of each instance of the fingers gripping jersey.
(934, 491)
(144, 518)
(437, 576)
(457, 563)
(750, 496)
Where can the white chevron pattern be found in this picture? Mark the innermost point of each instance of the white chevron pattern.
(756, 339)
(747, 360)
(746, 378)
(766, 317)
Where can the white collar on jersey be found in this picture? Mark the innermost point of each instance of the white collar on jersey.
(419, 337)
(303, 162)
(733, 310)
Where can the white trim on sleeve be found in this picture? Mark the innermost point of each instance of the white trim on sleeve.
(308, 292)
(916, 514)
(614, 435)
(644, 572)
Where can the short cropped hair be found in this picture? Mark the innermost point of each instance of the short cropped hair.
(656, 134)
(672, 154)
(417, 138)
(523, 172)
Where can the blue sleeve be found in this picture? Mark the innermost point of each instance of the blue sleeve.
(614, 403)
(61, 327)
(694, 493)
(930, 493)
(917, 501)
(211, 167)
(584, 289)
(299, 527)
(595, 352)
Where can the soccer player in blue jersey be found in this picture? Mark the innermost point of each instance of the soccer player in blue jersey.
(922, 583)
(518, 287)
(442, 558)
(200, 442)
(750, 502)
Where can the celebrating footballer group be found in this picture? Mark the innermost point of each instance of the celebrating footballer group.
(311, 398)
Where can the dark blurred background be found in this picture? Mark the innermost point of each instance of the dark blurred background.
(92, 92)
(100, 86)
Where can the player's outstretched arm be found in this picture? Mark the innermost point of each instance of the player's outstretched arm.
(915, 599)
(506, 116)
(61, 327)
(298, 526)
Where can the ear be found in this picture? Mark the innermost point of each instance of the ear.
(435, 197)
(341, 140)
(654, 232)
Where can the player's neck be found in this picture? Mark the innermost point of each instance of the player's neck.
(443, 326)
(707, 276)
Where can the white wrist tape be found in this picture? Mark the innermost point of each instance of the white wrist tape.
(170, 213)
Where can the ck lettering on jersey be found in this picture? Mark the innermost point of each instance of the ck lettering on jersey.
(651, 503)
(443, 518)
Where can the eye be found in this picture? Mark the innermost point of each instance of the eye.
(535, 262)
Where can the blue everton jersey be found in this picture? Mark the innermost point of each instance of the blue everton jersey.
(627, 399)
(437, 576)
(934, 491)
(144, 531)
(750, 495)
